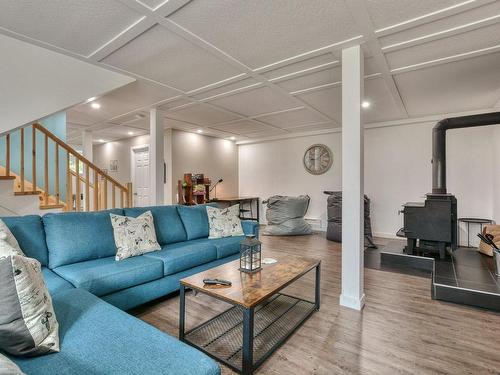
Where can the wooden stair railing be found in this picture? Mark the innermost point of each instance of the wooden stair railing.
(86, 184)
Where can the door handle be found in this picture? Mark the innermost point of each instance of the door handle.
(135, 193)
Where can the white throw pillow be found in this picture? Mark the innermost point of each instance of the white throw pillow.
(134, 235)
(224, 222)
(28, 324)
(8, 243)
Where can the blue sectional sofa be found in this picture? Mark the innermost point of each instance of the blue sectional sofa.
(90, 289)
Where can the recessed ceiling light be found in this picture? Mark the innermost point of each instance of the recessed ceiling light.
(91, 99)
(130, 133)
(101, 140)
(232, 138)
(365, 104)
(199, 131)
(95, 105)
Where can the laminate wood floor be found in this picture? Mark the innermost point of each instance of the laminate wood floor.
(401, 330)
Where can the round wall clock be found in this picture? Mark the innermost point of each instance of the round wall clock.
(318, 159)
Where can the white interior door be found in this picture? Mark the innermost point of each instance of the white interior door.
(141, 177)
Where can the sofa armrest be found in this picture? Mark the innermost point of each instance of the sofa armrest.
(250, 227)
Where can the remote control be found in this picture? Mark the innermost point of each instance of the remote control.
(217, 282)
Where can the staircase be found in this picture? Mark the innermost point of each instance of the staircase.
(67, 182)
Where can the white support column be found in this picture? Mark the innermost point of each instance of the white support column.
(352, 179)
(156, 152)
(87, 150)
(168, 161)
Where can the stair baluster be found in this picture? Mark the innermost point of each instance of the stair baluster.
(95, 182)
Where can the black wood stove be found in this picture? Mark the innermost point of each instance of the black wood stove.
(434, 223)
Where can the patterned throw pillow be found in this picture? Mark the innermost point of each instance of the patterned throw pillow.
(134, 235)
(8, 243)
(7, 367)
(224, 222)
(28, 324)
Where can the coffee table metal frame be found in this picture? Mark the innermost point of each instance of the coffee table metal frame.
(248, 365)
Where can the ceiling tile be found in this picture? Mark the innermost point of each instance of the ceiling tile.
(382, 106)
(300, 65)
(292, 118)
(456, 87)
(243, 127)
(226, 88)
(201, 115)
(310, 128)
(181, 125)
(153, 4)
(471, 41)
(268, 31)
(327, 101)
(386, 13)
(312, 80)
(77, 26)
(79, 117)
(175, 103)
(266, 133)
(442, 24)
(216, 133)
(128, 98)
(255, 102)
(163, 56)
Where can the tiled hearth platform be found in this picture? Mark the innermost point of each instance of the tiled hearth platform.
(465, 277)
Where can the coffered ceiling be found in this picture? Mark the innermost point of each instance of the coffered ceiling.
(263, 68)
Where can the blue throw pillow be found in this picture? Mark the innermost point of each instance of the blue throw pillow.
(195, 220)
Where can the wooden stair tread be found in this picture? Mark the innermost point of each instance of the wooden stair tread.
(51, 206)
(38, 192)
(7, 178)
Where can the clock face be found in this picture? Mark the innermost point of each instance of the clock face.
(318, 159)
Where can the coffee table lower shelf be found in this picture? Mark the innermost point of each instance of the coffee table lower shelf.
(274, 321)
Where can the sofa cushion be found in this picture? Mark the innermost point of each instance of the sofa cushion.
(78, 236)
(195, 220)
(54, 282)
(105, 275)
(168, 224)
(184, 255)
(30, 235)
(225, 247)
(97, 338)
(8, 243)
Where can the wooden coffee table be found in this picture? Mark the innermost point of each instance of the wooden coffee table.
(261, 318)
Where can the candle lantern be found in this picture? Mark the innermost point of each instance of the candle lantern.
(250, 254)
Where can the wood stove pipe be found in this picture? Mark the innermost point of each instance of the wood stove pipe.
(439, 143)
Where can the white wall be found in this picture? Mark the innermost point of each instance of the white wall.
(184, 152)
(214, 157)
(397, 170)
(119, 150)
(36, 82)
(276, 168)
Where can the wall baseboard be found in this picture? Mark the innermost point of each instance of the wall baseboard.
(386, 235)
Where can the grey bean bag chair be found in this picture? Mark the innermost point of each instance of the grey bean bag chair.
(285, 216)
(334, 214)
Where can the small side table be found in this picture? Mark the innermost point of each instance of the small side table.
(472, 220)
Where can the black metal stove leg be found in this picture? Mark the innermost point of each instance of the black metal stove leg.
(442, 250)
(410, 246)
